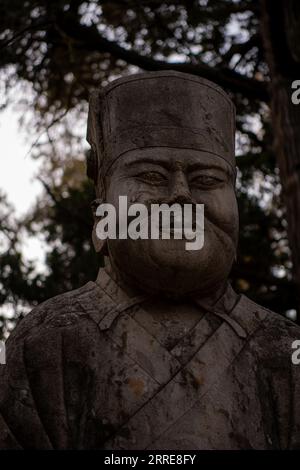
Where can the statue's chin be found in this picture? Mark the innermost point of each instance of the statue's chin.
(166, 268)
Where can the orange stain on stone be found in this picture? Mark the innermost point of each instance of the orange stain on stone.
(136, 385)
(198, 379)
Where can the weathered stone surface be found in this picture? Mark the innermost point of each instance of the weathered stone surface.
(159, 352)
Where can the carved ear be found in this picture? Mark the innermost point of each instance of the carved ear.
(99, 245)
(94, 136)
(92, 164)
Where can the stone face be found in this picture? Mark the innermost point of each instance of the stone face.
(159, 352)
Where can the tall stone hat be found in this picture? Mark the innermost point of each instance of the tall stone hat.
(159, 109)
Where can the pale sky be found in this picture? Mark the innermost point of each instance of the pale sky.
(17, 177)
(17, 167)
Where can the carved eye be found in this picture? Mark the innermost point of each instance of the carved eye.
(205, 181)
(152, 177)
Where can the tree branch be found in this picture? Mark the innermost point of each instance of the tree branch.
(92, 40)
(33, 26)
(64, 209)
(241, 48)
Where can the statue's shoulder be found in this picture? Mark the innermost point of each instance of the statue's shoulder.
(62, 310)
(270, 331)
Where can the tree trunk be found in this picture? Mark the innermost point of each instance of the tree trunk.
(280, 27)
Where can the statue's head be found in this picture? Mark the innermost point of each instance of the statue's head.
(167, 137)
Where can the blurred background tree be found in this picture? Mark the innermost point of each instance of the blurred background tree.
(64, 49)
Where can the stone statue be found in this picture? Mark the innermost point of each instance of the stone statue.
(159, 352)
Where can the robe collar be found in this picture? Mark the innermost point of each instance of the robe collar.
(125, 297)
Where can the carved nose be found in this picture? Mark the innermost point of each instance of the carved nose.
(179, 188)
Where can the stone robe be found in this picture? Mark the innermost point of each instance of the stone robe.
(89, 370)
